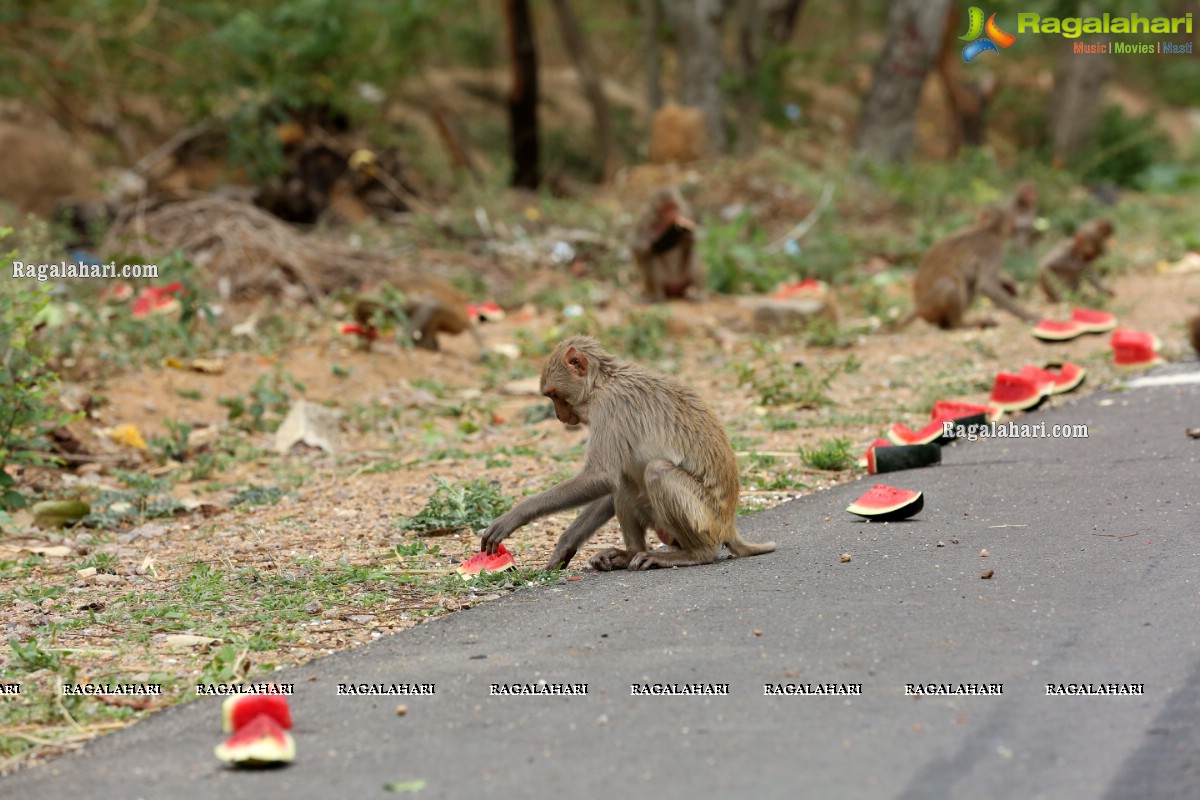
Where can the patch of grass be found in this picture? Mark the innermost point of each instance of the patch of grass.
(458, 506)
(263, 407)
(832, 455)
(257, 496)
(774, 422)
(146, 498)
(793, 385)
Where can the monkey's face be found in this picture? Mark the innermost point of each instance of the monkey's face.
(566, 414)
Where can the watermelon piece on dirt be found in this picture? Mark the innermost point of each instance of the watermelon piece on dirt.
(1015, 393)
(1051, 330)
(879, 442)
(240, 709)
(1135, 349)
(1130, 337)
(262, 742)
(953, 409)
(887, 504)
(902, 456)
(1093, 320)
(1064, 376)
(482, 562)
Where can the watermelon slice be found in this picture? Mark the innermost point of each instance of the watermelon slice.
(899, 433)
(1128, 336)
(1134, 349)
(1050, 330)
(887, 504)
(898, 457)
(261, 742)
(1094, 321)
(1016, 393)
(880, 442)
(952, 409)
(240, 709)
(1064, 375)
(1041, 378)
(482, 562)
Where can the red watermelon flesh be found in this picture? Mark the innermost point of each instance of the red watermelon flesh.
(879, 442)
(900, 433)
(1050, 330)
(1043, 379)
(887, 504)
(952, 409)
(1132, 338)
(1093, 320)
(482, 562)
(1065, 375)
(237, 711)
(1016, 393)
(261, 742)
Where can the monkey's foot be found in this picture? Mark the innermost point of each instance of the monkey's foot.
(610, 559)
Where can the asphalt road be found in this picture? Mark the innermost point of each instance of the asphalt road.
(1095, 545)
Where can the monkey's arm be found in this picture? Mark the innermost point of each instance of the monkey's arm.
(571, 493)
(587, 523)
(994, 291)
(1093, 277)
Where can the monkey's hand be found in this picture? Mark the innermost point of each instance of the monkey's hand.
(497, 532)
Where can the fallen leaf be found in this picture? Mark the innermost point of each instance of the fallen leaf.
(405, 786)
(59, 513)
(307, 423)
(127, 435)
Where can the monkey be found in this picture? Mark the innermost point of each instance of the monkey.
(1024, 210)
(1194, 332)
(431, 305)
(960, 265)
(664, 248)
(1074, 260)
(657, 458)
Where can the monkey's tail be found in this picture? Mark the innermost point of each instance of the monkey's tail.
(741, 548)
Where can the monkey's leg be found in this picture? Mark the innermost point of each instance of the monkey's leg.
(580, 530)
(422, 327)
(1092, 278)
(633, 518)
(680, 506)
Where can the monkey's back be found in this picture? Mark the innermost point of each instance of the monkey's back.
(664, 418)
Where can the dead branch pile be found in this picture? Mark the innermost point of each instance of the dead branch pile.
(243, 251)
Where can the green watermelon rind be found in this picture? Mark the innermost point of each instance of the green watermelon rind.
(911, 505)
(1063, 388)
(1049, 335)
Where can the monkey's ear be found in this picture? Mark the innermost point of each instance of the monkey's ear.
(576, 362)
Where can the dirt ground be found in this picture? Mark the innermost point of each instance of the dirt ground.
(341, 509)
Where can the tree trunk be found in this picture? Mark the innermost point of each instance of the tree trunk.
(889, 115)
(523, 100)
(651, 60)
(697, 28)
(781, 19)
(969, 98)
(577, 46)
(1076, 102)
(750, 43)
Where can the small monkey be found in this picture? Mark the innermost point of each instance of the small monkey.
(1073, 260)
(664, 246)
(432, 306)
(657, 458)
(961, 265)
(1024, 210)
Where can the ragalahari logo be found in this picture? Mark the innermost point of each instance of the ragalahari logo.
(981, 44)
